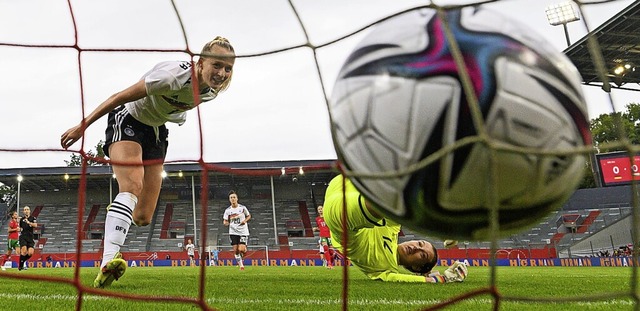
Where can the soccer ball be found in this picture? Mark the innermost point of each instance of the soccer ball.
(405, 131)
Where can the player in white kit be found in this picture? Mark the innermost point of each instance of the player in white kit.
(236, 217)
(191, 251)
(136, 138)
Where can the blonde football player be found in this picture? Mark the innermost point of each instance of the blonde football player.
(136, 139)
(191, 251)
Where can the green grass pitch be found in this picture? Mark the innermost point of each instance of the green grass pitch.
(316, 288)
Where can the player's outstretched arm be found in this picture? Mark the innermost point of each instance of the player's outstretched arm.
(436, 277)
(129, 94)
(389, 276)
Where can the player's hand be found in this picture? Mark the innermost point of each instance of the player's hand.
(457, 272)
(71, 136)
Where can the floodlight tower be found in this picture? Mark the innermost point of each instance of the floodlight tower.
(562, 14)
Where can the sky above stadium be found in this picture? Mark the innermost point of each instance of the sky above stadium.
(275, 108)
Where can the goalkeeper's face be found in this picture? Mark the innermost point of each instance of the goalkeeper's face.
(417, 254)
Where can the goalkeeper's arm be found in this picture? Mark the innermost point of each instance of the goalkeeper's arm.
(389, 276)
(457, 272)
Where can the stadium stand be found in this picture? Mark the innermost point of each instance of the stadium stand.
(305, 218)
(157, 230)
(177, 228)
(295, 228)
(609, 237)
(588, 221)
(166, 221)
(61, 223)
(570, 221)
(36, 211)
(591, 211)
(96, 231)
(590, 224)
(88, 224)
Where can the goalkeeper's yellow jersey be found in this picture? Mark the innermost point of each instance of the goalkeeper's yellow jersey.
(372, 242)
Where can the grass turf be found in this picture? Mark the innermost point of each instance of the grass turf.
(316, 288)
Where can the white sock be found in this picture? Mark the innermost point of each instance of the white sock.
(239, 260)
(116, 226)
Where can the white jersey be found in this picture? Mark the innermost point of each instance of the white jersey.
(236, 215)
(190, 249)
(169, 95)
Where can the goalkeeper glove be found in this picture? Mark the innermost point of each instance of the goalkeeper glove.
(457, 272)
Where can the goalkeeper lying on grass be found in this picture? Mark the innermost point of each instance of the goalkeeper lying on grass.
(373, 241)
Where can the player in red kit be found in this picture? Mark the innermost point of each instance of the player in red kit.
(325, 238)
(14, 229)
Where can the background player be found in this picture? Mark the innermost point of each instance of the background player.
(27, 223)
(191, 251)
(214, 256)
(136, 139)
(321, 252)
(325, 238)
(372, 243)
(236, 217)
(12, 242)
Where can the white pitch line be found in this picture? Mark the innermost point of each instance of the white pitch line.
(315, 302)
(50, 297)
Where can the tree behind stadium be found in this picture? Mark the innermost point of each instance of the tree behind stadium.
(95, 158)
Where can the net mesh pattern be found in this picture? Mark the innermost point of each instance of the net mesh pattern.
(200, 301)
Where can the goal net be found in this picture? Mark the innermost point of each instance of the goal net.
(61, 59)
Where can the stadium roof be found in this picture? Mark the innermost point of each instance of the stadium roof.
(178, 175)
(619, 42)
